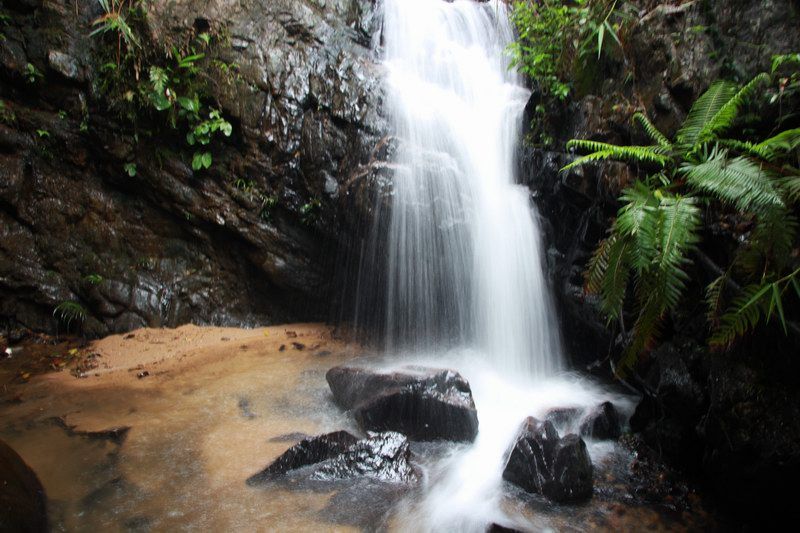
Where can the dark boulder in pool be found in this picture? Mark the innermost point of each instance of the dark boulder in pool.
(22, 499)
(529, 463)
(339, 455)
(541, 462)
(571, 474)
(308, 451)
(424, 404)
(602, 423)
(382, 456)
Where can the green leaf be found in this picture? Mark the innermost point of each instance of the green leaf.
(206, 159)
(130, 169)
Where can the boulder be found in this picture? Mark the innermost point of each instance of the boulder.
(602, 423)
(422, 403)
(308, 451)
(22, 498)
(571, 474)
(382, 456)
(541, 462)
(531, 458)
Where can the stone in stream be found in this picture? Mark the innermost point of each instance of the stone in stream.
(340, 455)
(541, 462)
(382, 456)
(530, 461)
(602, 423)
(22, 498)
(424, 404)
(308, 451)
(571, 474)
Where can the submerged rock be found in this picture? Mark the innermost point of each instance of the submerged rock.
(571, 475)
(340, 455)
(308, 451)
(22, 497)
(422, 403)
(382, 456)
(602, 423)
(541, 462)
(531, 458)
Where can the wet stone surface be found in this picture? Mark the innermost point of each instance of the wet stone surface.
(422, 403)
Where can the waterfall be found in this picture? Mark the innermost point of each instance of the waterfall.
(462, 251)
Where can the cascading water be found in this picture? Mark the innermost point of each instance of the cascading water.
(464, 259)
(464, 283)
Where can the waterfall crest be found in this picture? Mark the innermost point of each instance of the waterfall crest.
(462, 251)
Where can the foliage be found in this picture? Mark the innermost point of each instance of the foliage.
(7, 115)
(659, 224)
(557, 37)
(114, 21)
(69, 312)
(170, 89)
(32, 74)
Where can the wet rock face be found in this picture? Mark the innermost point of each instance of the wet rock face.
(339, 456)
(531, 457)
(383, 456)
(22, 498)
(422, 403)
(602, 423)
(541, 462)
(172, 245)
(308, 451)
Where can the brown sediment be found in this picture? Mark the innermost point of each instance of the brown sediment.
(201, 421)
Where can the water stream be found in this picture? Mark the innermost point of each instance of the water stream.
(465, 285)
(464, 258)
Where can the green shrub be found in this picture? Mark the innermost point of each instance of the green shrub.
(659, 224)
(168, 89)
(557, 38)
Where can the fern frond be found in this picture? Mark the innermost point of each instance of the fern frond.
(769, 245)
(654, 155)
(608, 274)
(638, 218)
(740, 182)
(723, 119)
(653, 132)
(677, 234)
(703, 112)
(790, 185)
(714, 295)
(743, 315)
(779, 145)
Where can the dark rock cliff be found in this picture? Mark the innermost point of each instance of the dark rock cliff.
(729, 418)
(172, 245)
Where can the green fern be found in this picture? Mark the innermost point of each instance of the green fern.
(651, 130)
(741, 182)
(703, 112)
(69, 312)
(779, 145)
(790, 185)
(757, 302)
(724, 118)
(652, 155)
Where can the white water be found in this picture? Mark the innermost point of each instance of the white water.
(465, 285)
(465, 261)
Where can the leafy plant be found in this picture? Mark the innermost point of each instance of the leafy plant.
(130, 169)
(7, 115)
(32, 74)
(556, 37)
(43, 134)
(114, 20)
(309, 211)
(659, 226)
(93, 279)
(69, 312)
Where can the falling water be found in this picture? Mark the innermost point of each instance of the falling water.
(464, 257)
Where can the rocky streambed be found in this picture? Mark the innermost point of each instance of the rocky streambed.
(171, 425)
